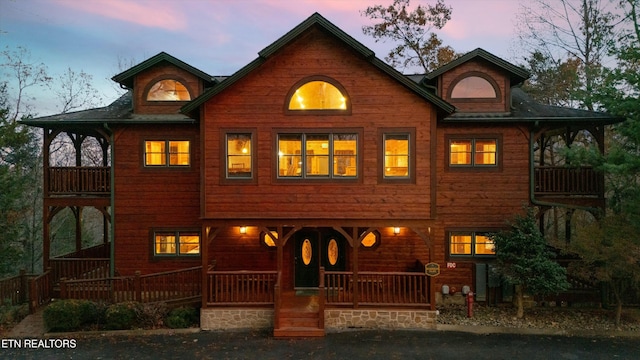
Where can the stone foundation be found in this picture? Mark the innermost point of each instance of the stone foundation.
(334, 319)
(236, 318)
(341, 319)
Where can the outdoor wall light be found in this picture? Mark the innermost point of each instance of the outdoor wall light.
(243, 229)
(396, 230)
(465, 290)
(445, 289)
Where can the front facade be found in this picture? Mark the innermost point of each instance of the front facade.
(317, 165)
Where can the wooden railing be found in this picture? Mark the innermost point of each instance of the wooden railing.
(377, 289)
(40, 291)
(558, 180)
(179, 286)
(73, 268)
(79, 180)
(97, 251)
(241, 288)
(13, 290)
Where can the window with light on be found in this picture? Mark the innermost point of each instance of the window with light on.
(239, 156)
(317, 95)
(473, 152)
(317, 155)
(167, 153)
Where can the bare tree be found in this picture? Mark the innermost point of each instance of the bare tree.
(75, 91)
(417, 45)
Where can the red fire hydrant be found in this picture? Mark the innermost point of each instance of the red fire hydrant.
(470, 304)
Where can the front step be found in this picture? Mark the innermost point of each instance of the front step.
(299, 325)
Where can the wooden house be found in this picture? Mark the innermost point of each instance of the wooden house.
(315, 169)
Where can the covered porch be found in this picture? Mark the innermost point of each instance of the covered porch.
(299, 293)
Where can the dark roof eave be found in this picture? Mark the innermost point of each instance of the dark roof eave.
(93, 122)
(537, 120)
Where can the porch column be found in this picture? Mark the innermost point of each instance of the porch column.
(355, 242)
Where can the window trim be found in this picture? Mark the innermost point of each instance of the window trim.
(176, 232)
(473, 232)
(382, 133)
(320, 179)
(224, 179)
(479, 74)
(462, 168)
(149, 85)
(167, 153)
(326, 79)
(375, 233)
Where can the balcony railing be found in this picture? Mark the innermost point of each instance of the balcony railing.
(559, 180)
(79, 180)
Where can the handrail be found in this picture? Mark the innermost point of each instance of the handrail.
(561, 180)
(241, 287)
(40, 290)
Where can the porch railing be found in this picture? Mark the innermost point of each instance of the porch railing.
(40, 290)
(97, 251)
(76, 268)
(559, 180)
(79, 180)
(179, 286)
(241, 288)
(377, 288)
(13, 290)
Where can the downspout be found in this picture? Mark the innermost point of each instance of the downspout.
(532, 185)
(112, 232)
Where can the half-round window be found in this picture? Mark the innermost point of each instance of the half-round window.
(168, 90)
(319, 95)
(473, 87)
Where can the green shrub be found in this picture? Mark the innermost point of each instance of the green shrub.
(11, 314)
(182, 317)
(122, 316)
(63, 315)
(151, 315)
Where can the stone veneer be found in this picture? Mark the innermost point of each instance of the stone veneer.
(236, 318)
(340, 319)
(335, 319)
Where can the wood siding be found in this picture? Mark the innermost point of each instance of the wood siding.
(152, 198)
(257, 102)
(475, 199)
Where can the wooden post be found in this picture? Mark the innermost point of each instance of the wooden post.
(356, 290)
(321, 296)
(137, 287)
(22, 297)
(63, 288)
(33, 299)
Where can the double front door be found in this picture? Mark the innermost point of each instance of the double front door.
(315, 248)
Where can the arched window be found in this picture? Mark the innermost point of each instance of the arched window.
(317, 94)
(474, 87)
(168, 90)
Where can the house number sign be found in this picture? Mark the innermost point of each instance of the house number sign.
(432, 269)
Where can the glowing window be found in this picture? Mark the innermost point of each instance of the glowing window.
(324, 156)
(370, 240)
(318, 95)
(268, 240)
(239, 156)
(470, 244)
(473, 87)
(168, 90)
(176, 243)
(396, 156)
(167, 153)
(473, 152)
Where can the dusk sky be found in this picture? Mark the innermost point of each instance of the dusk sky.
(216, 36)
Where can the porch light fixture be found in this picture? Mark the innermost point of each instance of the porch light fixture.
(396, 230)
(243, 229)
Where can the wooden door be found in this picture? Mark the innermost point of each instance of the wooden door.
(307, 257)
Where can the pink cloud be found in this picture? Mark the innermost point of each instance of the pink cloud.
(157, 14)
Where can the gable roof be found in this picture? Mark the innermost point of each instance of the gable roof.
(125, 78)
(517, 73)
(317, 20)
